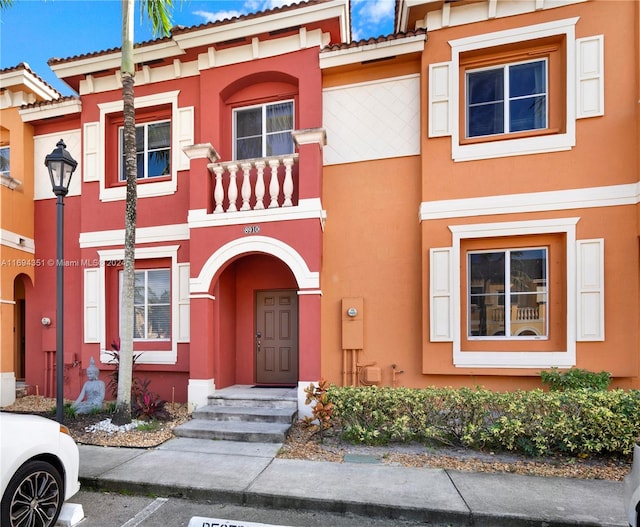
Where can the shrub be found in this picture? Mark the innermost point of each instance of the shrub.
(530, 422)
(112, 386)
(322, 407)
(147, 405)
(574, 379)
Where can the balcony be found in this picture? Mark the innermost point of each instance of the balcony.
(255, 184)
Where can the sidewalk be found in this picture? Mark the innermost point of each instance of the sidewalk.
(249, 473)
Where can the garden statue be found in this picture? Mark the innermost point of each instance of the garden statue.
(93, 390)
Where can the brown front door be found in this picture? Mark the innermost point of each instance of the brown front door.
(276, 337)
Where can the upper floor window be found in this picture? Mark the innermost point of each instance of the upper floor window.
(508, 293)
(263, 131)
(506, 99)
(153, 150)
(4, 161)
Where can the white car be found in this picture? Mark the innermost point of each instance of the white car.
(632, 490)
(39, 464)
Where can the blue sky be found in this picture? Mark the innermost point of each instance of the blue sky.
(33, 31)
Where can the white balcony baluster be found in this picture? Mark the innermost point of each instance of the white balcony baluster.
(260, 185)
(233, 188)
(246, 186)
(275, 196)
(274, 184)
(218, 192)
(287, 186)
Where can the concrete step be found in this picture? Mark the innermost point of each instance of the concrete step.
(246, 413)
(257, 401)
(254, 432)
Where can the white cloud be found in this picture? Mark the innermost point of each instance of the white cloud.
(210, 16)
(372, 18)
(249, 6)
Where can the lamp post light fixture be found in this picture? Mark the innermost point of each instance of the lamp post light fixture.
(61, 167)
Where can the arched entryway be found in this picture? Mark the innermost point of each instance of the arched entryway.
(251, 286)
(258, 309)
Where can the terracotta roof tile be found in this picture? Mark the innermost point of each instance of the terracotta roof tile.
(54, 102)
(178, 30)
(375, 40)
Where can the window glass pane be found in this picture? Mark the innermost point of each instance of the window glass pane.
(486, 119)
(159, 322)
(158, 286)
(527, 79)
(529, 297)
(485, 110)
(528, 267)
(158, 163)
(158, 299)
(279, 144)
(139, 287)
(139, 139)
(280, 117)
(486, 294)
(139, 323)
(249, 148)
(4, 160)
(528, 114)
(485, 86)
(159, 135)
(139, 166)
(249, 122)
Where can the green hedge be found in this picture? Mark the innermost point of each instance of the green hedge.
(531, 422)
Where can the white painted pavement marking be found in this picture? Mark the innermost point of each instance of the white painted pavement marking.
(146, 512)
(198, 521)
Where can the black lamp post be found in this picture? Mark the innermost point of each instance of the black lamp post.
(61, 167)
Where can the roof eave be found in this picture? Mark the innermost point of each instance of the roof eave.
(26, 79)
(372, 52)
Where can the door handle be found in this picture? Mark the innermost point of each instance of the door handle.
(258, 337)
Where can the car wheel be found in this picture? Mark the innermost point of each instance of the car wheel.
(33, 497)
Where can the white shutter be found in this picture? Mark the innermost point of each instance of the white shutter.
(90, 148)
(92, 305)
(440, 99)
(183, 303)
(590, 76)
(590, 290)
(440, 295)
(185, 135)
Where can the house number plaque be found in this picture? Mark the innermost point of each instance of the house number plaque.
(252, 229)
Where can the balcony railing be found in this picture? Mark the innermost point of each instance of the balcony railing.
(255, 184)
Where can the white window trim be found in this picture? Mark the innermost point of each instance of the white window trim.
(150, 188)
(525, 145)
(263, 131)
(146, 357)
(516, 359)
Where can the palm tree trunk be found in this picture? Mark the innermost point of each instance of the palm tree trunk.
(123, 403)
(158, 13)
